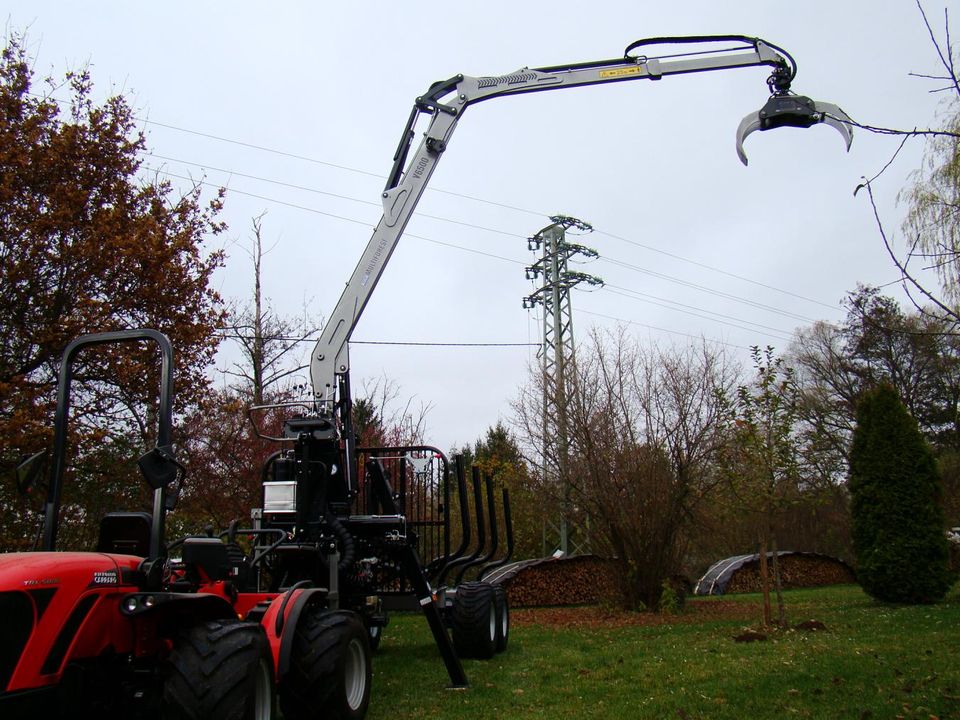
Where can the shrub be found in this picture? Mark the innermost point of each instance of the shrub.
(672, 598)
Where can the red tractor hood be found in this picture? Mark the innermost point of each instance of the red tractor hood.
(59, 606)
(76, 571)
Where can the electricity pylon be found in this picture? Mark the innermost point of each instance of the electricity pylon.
(557, 361)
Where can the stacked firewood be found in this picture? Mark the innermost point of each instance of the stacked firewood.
(578, 580)
(796, 571)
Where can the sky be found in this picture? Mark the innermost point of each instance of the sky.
(297, 108)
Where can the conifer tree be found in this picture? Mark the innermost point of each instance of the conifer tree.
(897, 518)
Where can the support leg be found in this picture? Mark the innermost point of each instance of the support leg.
(414, 572)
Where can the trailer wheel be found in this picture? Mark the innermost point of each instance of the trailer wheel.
(474, 620)
(503, 617)
(219, 669)
(330, 669)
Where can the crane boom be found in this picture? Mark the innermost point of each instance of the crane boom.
(445, 103)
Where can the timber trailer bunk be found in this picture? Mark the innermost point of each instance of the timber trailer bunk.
(416, 482)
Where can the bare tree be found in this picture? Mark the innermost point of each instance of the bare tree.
(224, 451)
(387, 418)
(643, 435)
(270, 344)
(931, 228)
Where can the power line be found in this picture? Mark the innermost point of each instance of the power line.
(271, 181)
(660, 329)
(621, 263)
(238, 336)
(473, 198)
(228, 333)
(346, 168)
(466, 249)
(520, 263)
(333, 195)
(715, 269)
(709, 290)
(260, 197)
(696, 312)
(335, 216)
(441, 344)
(262, 148)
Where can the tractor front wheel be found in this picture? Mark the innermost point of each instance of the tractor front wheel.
(219, 669)
(330, 669)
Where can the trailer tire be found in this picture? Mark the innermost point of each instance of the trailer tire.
(219, 669)
(503, 617)
(474, 620)
(330, 669)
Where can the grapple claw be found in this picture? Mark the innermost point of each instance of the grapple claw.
(749, 124)
(836, 118)
(793, 111)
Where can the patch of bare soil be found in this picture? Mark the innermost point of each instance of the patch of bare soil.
(598, 616)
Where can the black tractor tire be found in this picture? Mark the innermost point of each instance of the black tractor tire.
(219, 670)
(502, 604)
(474, 621)
(330, 670)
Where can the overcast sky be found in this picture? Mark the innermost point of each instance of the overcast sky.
(297, 109)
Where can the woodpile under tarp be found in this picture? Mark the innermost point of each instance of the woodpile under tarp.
(741, 573)
(580, 580)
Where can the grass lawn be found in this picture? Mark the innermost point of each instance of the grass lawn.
(872, 661)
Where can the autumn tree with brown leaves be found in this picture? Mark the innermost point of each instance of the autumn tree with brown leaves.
(499, 455)
(88, 244)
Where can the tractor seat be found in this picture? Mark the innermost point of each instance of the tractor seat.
(125, 533)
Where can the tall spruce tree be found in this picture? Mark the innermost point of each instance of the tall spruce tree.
(897, 518)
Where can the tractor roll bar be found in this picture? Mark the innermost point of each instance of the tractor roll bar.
(164, 431)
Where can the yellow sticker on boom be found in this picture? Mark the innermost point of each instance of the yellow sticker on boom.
(622, 72)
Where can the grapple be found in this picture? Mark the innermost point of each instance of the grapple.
(785, 109)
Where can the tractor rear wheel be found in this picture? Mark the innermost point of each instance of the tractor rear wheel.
(330, 670)
(474, 620)
(219, 669)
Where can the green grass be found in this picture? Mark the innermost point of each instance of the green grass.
(873, 661)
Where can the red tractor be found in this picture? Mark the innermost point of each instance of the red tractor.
(132, 628)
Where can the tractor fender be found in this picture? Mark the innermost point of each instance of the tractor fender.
(280, 622)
